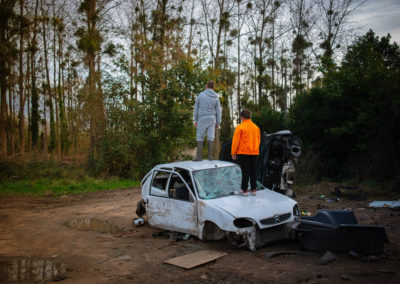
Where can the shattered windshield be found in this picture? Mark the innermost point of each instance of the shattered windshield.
(219, 182)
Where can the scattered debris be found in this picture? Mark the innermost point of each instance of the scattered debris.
(268, 255)
(344, 277)
(192, 260)
(173, 236)
(354, 254)
(92, 224)
(167, 266)
(380, 204)
(104, 259)
(204, 277)
(338, 230)
(386, 271)
(185, 237)
(124, 257)
(368, 258)
(352, 192)
(138, 222)
(59, 277)
(305, 213)
(327, 257)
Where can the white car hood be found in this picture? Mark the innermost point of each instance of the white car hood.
(265, 204)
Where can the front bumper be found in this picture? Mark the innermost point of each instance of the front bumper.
(253, 237)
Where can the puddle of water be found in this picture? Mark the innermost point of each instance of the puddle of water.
(92, 224)
(16, 269)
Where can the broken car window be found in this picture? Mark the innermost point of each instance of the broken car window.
(177, 188)
(186, 176)
(218, 182)
(160, 180)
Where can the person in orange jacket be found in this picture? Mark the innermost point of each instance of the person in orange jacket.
(245, 148)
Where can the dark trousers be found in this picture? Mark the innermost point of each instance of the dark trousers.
(248, 165)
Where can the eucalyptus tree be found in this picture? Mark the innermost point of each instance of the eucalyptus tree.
(333, 26)
(7, 51)
(303, 20)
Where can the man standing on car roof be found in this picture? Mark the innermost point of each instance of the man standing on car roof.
(207, 118)
(245, 148)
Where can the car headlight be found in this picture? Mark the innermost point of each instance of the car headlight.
(296, 211)
(242, 223)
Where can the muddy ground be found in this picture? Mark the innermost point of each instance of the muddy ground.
(37, 229)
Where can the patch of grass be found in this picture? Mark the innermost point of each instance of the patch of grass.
(48, 177)
(62, 186)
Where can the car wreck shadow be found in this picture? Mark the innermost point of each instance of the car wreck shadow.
(223, 244)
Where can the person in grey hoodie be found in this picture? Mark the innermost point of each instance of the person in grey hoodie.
(207, 118)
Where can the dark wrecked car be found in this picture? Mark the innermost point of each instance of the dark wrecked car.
(197, 198)
(277, 161)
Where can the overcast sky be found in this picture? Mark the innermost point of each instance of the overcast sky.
(382, 16)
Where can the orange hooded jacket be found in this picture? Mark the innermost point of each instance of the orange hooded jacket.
(246, 140)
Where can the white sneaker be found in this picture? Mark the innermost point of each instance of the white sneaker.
(241, 193)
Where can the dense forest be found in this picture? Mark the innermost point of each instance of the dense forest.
(115, 81)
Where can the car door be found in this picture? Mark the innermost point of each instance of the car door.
(156, 203)
(182, 206)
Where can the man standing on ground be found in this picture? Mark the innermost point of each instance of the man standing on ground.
(207, 118)
(245, 148)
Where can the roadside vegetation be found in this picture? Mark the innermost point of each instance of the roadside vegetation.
(50, 178)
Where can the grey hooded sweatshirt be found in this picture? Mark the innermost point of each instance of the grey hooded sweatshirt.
(207, 104)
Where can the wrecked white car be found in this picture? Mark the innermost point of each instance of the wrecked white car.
(198, 198)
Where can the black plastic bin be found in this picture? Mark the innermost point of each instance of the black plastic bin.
(338, 230)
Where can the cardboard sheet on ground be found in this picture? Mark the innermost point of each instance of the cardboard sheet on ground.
(192, 260)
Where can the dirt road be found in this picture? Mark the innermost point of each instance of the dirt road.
(46, 229)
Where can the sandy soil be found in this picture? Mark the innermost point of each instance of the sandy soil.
(35, 228)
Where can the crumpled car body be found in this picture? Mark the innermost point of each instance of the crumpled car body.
(197, 198)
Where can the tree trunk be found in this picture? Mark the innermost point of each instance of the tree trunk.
(273, 61)
(6, 8)
(21, 83)
(11, 117)
(220, 26)
(56, 124)
(238, 62)
(190, 31)
(46, 66)
(35, 96)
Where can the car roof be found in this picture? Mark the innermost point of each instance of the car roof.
(196, 165)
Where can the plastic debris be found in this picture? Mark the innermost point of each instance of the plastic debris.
(138, 222)
(350, 192)
(268, 255)
(339, 230)
(185, 237)
(380, 204)
(344, 277)
(327, 257)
